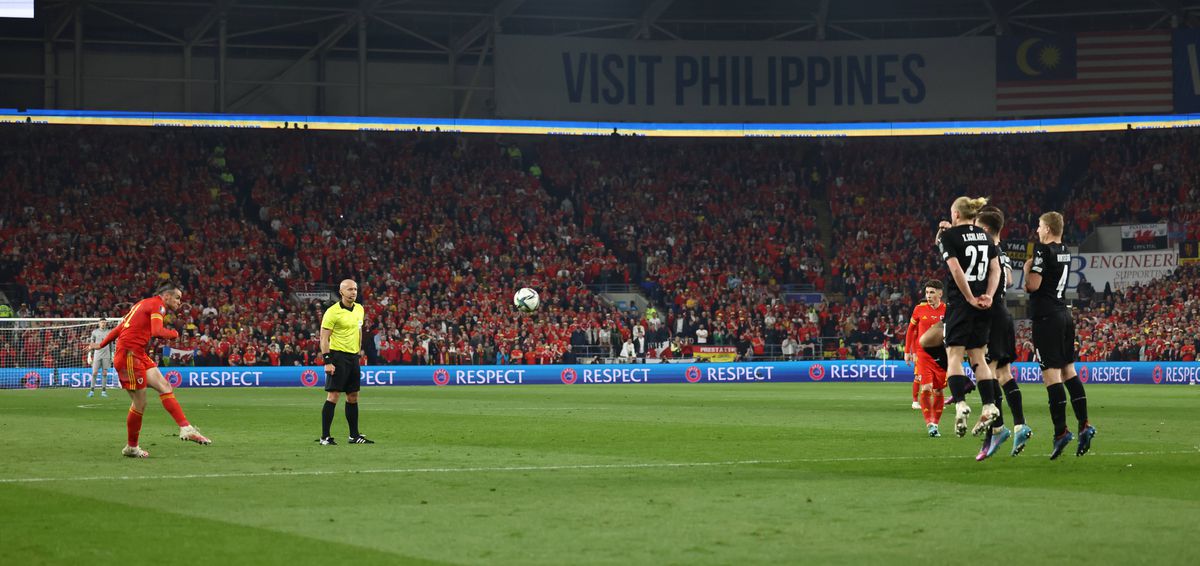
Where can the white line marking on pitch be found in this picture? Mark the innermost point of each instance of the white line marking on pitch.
(551, 468)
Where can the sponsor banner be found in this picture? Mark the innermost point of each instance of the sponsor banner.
(1139, 237)
(1118, 269)
(720, 81)
(1018, 251)
(1147, 373)
(715, 353)
(1122, 269)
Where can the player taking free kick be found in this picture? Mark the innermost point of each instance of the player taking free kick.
(137, 371)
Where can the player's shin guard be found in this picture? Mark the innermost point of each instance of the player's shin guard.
(133, 426)
(1013, 393)
(1058, 407)
(1078, 399)
(352, 418)
(172, 406)
(958, 387)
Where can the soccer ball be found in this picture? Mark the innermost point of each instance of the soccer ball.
(526, 300)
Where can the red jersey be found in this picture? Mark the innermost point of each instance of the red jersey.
(144, 320)
(923, 317)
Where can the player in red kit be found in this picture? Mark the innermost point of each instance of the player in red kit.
(930, 374)
(137, 371)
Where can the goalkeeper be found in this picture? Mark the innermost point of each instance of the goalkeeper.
(101, 361)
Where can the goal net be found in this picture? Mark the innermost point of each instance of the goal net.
(49, 352)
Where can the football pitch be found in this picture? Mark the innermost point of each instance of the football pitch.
(781, 473)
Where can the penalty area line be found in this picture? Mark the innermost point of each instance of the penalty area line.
(547, 468)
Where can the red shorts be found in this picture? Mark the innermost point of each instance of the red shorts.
(930, 373)
(131, 368)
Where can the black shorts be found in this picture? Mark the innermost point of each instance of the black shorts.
(1054, 339)
(1002, 347)
(938, 353)
(347, 377)
(967, 326)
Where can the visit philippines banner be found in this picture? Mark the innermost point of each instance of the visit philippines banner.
(564, 78)
(1149, 373)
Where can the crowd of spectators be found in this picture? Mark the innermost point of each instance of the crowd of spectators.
(1156, 321)
(1142, 178)
(719, 232)
(725, 237)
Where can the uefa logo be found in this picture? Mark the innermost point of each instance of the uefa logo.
(568, 376)
(441, 376)
(174, 378)
(32, 380)
(1158, 375)
(816, 372)
(692, 374)
(308, 377)
(1083, 374)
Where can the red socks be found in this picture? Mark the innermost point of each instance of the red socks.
(133, 426)
(172, 406)
(926, 409)
(939, 403)
(916, 388)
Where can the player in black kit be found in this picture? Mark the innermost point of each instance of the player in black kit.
(974, 276)
(1054, 333)
(1002, 350)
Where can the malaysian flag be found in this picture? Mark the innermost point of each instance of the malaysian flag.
(1089, 73)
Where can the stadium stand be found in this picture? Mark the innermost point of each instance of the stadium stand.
(718, 234)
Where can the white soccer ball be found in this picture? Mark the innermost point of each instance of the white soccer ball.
(527, 300)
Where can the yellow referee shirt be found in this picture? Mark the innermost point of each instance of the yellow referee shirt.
(345, 326)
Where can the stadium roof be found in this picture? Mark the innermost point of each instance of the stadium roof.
(437, 29)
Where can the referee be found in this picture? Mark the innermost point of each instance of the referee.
(341, 346)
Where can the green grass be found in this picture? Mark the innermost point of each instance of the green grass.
(649, 474)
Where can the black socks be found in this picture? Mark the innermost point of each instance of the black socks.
(1078, 399)
(327, 417)
(352, 418)
(1058, 407)
(1013, 394)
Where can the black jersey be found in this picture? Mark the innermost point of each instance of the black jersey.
(1002, 288)
(974, 250)
(1053, 263)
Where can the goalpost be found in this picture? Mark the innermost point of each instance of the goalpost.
(48, 352)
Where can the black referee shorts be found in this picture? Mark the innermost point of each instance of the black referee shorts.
(347, 377)
(1002, 345)
(967, 326)
(1054, 339)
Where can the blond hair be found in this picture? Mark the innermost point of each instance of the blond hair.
(1053, 221)
(968, 208)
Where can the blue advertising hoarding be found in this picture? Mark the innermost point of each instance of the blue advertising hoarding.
(1152, 373)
